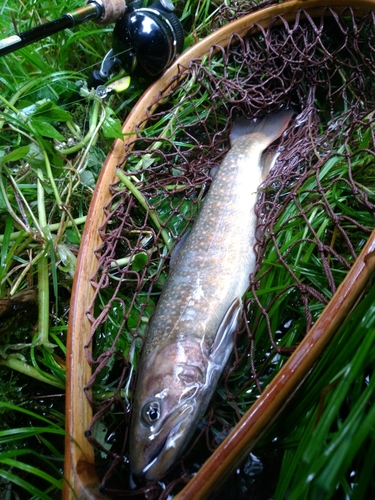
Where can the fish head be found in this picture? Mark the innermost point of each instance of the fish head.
(170, 396)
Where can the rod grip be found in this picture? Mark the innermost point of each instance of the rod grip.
(112, 10)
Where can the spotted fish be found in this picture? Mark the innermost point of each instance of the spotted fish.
(190, 335)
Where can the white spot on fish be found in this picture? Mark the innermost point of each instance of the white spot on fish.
(181, 356)
(189, 313)
(198, 292)
(163, 393)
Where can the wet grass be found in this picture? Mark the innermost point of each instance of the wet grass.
(54, 136)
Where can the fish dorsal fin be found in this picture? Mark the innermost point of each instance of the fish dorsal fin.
(223, 342)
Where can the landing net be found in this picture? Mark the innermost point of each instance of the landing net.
(316, 210)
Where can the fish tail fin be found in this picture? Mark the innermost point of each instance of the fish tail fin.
(264, 131)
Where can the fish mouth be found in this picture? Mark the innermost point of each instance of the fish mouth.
(171, 445)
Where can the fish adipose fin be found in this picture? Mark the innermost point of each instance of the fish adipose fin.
(223, 343)
(266, 130)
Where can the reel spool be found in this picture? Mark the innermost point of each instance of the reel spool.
(154, 32)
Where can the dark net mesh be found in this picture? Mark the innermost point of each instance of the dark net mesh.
(316, 210)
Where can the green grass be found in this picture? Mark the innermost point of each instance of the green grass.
(330, 449)
(54, 136)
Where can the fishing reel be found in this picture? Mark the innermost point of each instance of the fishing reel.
(145, 40)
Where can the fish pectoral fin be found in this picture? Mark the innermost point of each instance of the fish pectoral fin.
(223, 342)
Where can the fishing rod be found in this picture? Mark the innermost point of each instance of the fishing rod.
(101, 11)
(145, 39)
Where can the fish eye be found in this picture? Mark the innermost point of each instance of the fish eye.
(151, 412)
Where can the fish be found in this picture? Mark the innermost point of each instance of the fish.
(190, 335)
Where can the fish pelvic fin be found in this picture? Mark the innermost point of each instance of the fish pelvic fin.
(264, 131)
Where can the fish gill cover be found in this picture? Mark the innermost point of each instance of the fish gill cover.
(316, 210)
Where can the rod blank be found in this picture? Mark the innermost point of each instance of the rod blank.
(102, 11)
